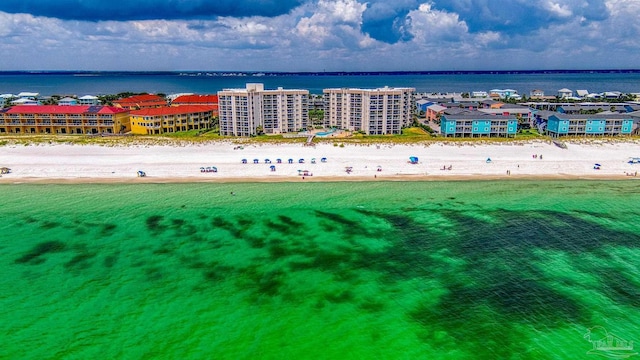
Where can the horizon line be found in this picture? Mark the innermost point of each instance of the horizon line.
(265, 73)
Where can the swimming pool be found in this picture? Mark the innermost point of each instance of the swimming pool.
(326, 133)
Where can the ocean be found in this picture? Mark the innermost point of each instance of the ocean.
(367, 270)
(100, 83)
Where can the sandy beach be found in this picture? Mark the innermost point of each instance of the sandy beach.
(62, 163)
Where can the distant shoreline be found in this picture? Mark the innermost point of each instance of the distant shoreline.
(258, 73)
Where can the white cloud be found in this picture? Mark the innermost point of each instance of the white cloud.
(431, 26)
(560, 10)
(332, 22)
(326, 35)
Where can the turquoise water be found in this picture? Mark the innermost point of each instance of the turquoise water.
(379, 270)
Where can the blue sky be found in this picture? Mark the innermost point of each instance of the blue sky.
(319, 35)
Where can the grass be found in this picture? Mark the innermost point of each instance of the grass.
(408, 136)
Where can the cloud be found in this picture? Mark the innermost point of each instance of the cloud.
(387, 21)
(522, 16)
(97, 10)
(331, 35)
(332, 24)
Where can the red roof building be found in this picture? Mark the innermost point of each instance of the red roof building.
(140, 102)
(196, 100)
(57, 119)
(211, 100)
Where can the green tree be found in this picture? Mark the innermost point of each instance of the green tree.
(316, 117)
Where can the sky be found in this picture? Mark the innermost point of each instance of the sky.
(319, 35)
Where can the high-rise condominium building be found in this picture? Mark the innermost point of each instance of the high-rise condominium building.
(244, 111)
(372, 111)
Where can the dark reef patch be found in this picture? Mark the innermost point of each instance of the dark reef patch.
(154, 223)
(239, 231)
(47, 225)
(37, 254)
(343, 296)
(619, 287)
(80, 261)
(108, 229)
(110, 260)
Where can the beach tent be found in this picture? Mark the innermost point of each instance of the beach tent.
(413, 160)
(272, 167)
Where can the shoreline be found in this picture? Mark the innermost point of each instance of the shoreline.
(182, 163)
(240, 180)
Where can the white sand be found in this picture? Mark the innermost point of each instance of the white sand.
(95, 163)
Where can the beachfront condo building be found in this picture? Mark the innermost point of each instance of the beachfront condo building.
(56, 119)
(244, 112)
(560, 124)
(478, 124)
(170, 119)
(379, 111)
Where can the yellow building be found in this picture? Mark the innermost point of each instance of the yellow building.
(170, 119)
(56, 119)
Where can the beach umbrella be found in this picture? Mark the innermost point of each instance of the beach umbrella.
(244, 161)
(324, 159)
(255, 161)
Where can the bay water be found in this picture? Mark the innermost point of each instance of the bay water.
(99, 83)
(335, 270)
